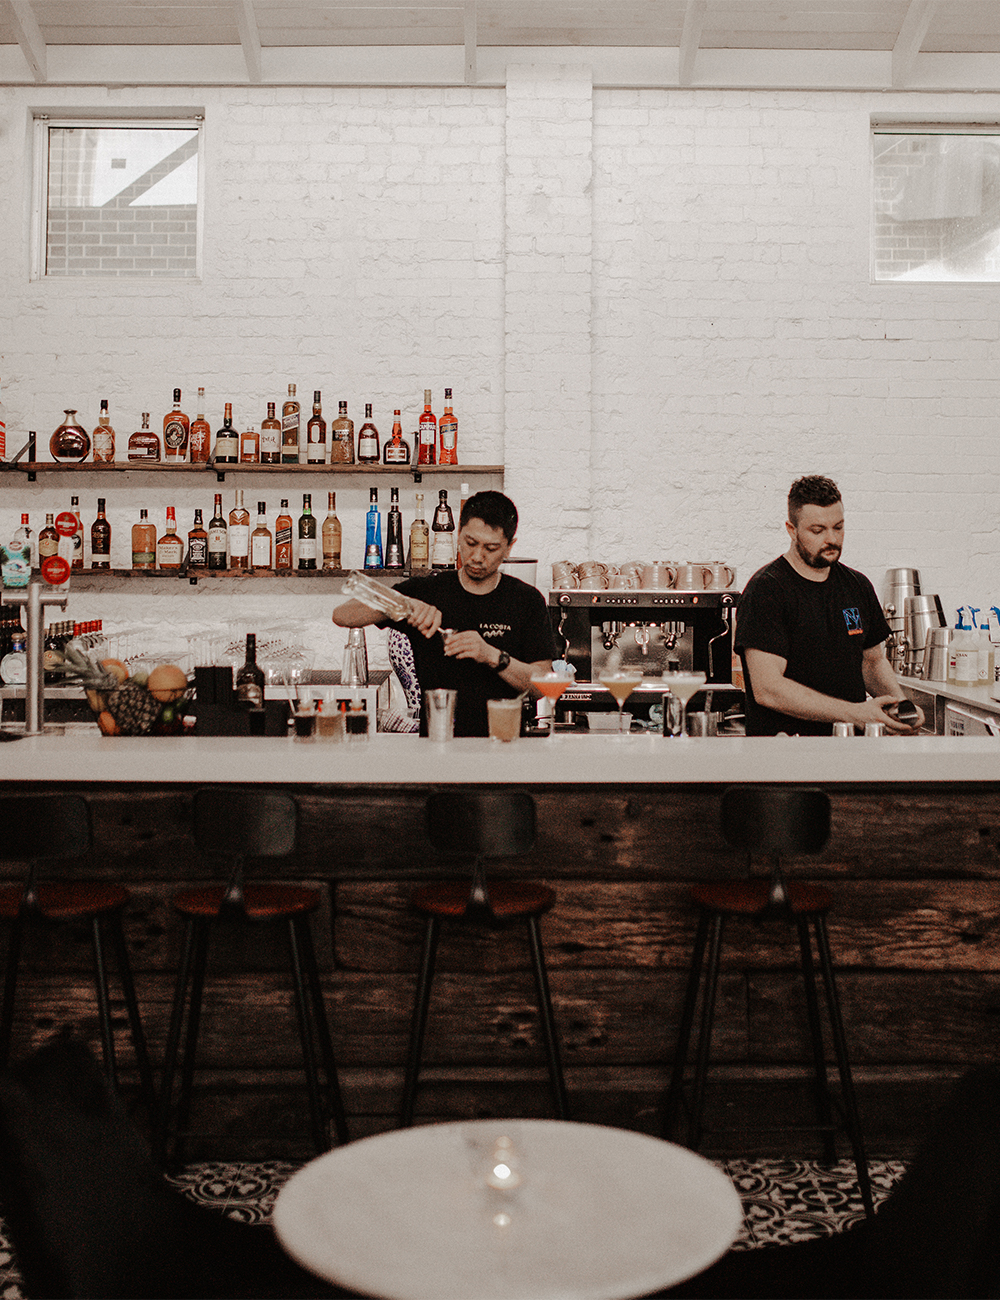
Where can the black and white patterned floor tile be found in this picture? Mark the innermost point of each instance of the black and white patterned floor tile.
(783, 1200)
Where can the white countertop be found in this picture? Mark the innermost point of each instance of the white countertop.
(389, 759)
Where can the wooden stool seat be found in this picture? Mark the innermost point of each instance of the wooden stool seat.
(509, 900)
(260, 902)
(751, 897)
(66, 900)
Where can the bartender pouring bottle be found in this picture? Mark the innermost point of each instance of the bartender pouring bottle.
(474, 630)
(811, 632)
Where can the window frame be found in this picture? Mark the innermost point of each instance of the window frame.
(42, 122)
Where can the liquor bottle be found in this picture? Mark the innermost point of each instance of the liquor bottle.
(396, 451)
(76, 560)
(14, 665)
(52, 653)
(443, 535)
(316, 433)
(250, 447)
(270, 438)
(144, 444)
(239, 534)
(143, 543)
(217, 537)
(448, 433)
(170, 548)
(373, 533)
(200, 441)
(48, 541)
(428, 432)
(261, 541)
(419, 539)
(100, 539)
(342, 438)
(250, 679)
(307, 534)
(104, 438)
(15, 557)
(368, 446)
(331, 535)
(176, 431)
(283, 537)
(394, 556)
(290, 412)
(227, 444)
(198, 544)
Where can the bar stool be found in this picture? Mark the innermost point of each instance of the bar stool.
(37, 827)
(775, 821)
(482, 825)
(235, 825)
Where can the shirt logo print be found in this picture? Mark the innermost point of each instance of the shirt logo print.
(852, 617)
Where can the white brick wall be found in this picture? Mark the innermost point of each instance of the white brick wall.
(654, 306)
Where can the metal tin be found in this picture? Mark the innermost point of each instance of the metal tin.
(874, 728)
(843, 728)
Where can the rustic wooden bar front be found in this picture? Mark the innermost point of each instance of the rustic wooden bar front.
(624, 828)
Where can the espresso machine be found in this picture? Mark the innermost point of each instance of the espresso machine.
(649, 630)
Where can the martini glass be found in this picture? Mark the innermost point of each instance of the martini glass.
(683, 685)
(621, 684)
(552, 685)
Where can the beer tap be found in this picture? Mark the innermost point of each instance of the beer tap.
(34, 698)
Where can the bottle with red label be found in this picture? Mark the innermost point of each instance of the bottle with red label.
(428, 433)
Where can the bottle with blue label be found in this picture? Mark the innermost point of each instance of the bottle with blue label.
(373, 533)
(15, 557)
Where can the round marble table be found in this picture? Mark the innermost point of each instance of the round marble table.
(507, 1210)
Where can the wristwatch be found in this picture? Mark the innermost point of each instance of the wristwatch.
(503, 662)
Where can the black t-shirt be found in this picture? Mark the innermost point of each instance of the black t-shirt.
(512, 617)
(821, 630)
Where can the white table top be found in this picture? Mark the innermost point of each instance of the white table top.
(388, 759)
(600, 1213)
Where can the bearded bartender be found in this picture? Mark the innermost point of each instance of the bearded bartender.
(811, 632)
(495, 629)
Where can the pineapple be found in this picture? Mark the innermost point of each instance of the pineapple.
(131, 705)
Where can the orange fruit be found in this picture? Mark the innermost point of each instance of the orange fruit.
(167, 682)
(107, 724)
(116, 668)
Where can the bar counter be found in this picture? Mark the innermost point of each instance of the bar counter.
(624, 828)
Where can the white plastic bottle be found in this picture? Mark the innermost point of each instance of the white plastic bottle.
(963, 663)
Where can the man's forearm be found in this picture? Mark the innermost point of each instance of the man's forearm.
(798, 701)
(880, 679)
(352, 613)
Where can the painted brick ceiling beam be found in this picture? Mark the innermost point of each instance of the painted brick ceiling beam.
(694, 18)
(910, 39)
(246, 22)
(29, 37)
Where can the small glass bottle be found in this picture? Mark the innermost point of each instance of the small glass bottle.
(270, 438)
(331, 535)
(342, 438)
(200, 441)
(239, 534)
(71, 441)
(144, 444)
(104, 438)
(218, 537)
(197, 556)
(48, 540)
(250, 678)
(396, 451)
(373, 533)
(290, 417)
(428, 432)
(250, 447)
(283, 538)
(316, 432)
(368, 445)
(143, 543)
(176, 431)
(394, 555)
(261, 541)
(448, 433)
(76, 558)
(100, 539)
(227, 443)
(170, 548)
(307, 534)
(443, 535)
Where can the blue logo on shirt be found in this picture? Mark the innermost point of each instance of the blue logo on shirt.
(852, 617)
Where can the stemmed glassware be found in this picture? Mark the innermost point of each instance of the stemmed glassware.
(621, 683)
(552, 685)
(682, 685)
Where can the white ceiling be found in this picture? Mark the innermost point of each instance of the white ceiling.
(898, 43)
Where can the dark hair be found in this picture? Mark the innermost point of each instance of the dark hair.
(494, 509)
(814, 490)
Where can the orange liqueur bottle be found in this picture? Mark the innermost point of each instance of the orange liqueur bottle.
(448, 433)
(396, 451)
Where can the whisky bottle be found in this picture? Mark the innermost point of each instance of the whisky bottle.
(443, 535)
(48, 541)
(368, 446)
(218, 537)
(283, 537)
(100, 539)
(176, 431)
(448, 433)
(227, 444)
(104, 438)
(396, 451)
(197, 556)
(331, 535)
(239, 534)
(342, 438)
(394, 557)
(76, 559)
(144, 444)
(307, 534)
(419, 539)
(373, 533)
(270, 438)
(428, 432)
(261, 541)
(170, 548)
(250, 679)
(250, 447)
(316, 433)
(200, 441)
(290, 414)
(143, 543)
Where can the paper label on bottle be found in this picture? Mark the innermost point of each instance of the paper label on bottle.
(283, 536)
(307, 548)
(449, 434)
(104, 445)
(269, 441)
(197, 552)
(174, 434)
(239, 540)
(260, 552)
(368, 448)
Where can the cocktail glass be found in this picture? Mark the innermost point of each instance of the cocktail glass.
(621, 684)
(552, 685)
(682, 685)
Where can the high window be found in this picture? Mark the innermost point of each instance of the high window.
(116, 198)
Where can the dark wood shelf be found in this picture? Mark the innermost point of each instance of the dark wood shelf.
(417, 472)
(113, 579)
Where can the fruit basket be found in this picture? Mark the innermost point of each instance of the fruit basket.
(140, 704)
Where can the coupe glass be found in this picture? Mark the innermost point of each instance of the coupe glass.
(552, 685)
(621, 684)
(682, 685)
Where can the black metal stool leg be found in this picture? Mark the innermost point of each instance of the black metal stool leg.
(821, 1083)
(323, 1034)
(132, 1008)
(103, 1001)
(173, 1043)
(675, 1092)
(320, 1137)
(716, 926)
(851, 1116)
(10, 989)
(547, 1019)
(201, 939)
(420, 1006)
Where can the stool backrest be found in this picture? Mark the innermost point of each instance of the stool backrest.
(237, 824)
(37, 826)
(776, 820)
(480, 824)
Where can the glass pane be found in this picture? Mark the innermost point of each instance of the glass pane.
(122, 201)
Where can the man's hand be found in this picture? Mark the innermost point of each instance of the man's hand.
(470, 645)
(425, 618)
(873, 711)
